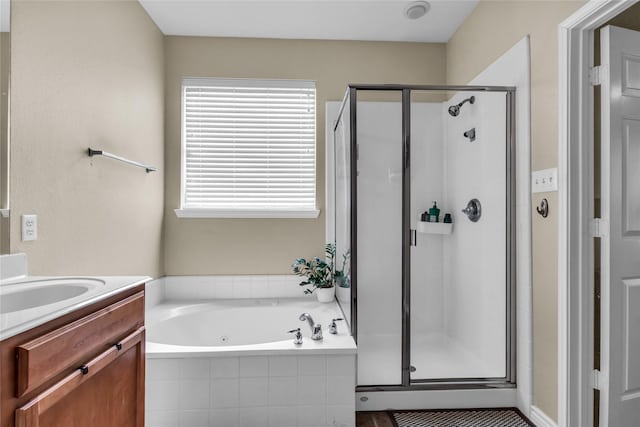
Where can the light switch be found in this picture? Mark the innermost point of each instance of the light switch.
(545, 180)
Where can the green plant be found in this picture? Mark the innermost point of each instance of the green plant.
(319, 273)
(341, 277)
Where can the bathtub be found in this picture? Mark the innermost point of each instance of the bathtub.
(231, 362)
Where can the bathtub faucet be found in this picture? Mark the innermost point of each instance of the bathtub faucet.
(316, 328)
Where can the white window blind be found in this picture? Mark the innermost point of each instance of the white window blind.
(249, 145)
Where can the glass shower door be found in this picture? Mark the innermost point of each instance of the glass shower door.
(379, 237)
(342, 209)
(432, 299)
(459, 275)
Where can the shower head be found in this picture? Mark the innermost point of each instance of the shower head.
(454, 110)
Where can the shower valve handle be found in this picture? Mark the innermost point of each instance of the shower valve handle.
(473, 210)
(297, 338)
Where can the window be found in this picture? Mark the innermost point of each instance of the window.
(248, 148)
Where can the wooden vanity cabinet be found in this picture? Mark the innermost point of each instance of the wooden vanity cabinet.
(85, 369)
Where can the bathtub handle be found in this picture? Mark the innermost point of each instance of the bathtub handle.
(333, 327)
(297, 338)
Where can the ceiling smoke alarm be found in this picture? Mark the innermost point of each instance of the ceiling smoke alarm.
(417, 9)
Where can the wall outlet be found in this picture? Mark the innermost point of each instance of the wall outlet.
(29, 227)
(544, 180)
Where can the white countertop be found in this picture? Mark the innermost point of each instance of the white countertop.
(15, 322)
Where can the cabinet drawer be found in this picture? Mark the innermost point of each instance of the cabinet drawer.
(106, 391)
(45, 357)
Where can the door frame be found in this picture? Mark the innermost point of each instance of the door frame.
(576, 195)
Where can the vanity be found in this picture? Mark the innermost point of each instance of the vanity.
(72, 351)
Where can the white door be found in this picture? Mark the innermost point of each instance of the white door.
(620, 256)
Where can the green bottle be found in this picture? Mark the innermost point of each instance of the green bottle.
(434, 213)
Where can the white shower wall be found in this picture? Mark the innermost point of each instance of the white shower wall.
(475, 253)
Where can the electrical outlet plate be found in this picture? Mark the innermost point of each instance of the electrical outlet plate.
(29, 227)
(545, 180)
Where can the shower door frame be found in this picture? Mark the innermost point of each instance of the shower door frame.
(509, 380)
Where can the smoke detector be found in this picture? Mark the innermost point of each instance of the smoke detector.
(416, 9)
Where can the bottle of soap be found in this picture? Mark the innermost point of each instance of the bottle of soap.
(434, 213)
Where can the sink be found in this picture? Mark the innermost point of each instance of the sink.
(23, 295)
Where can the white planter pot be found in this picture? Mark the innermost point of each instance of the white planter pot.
(344, 294)
(325, 294)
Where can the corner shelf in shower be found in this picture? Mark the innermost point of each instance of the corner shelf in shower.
(435, 227)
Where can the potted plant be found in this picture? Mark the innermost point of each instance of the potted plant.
(342, 279)
(319, 274)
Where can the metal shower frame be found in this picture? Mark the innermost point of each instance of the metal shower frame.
(350, 97)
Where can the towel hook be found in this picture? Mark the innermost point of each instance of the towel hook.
(543, 209)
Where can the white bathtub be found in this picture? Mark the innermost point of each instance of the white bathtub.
(231, 362)
(242, 327)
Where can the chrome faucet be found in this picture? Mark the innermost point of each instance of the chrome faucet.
(316, 328)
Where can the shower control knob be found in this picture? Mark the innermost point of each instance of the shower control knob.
(473, 210)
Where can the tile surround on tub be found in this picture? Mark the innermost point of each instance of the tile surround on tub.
(223, 287)
(313, 387)
(13, 266)
(255, 391)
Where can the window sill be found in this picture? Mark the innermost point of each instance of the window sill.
(220, 213)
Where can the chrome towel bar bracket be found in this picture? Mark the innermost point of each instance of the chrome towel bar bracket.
(91, 152)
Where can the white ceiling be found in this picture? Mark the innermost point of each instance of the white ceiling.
(382, 20)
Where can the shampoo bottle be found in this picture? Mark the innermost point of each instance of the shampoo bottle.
(434, 213)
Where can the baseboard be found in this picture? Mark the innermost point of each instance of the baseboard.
(540, 419)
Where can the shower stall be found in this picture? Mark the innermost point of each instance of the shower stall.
(431, 298)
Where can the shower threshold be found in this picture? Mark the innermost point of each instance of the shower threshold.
(439, 361)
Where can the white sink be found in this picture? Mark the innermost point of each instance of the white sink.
(27, 294)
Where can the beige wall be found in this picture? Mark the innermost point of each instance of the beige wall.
(491, 29)
(87, 73)
(268, 246)
(5, 61)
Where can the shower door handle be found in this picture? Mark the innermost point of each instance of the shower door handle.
(406, 154)
(413, 237)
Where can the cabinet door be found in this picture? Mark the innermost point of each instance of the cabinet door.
(108, 391)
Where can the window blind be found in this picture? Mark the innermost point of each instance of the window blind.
(249, 145)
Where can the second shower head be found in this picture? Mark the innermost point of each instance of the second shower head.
(454, 110)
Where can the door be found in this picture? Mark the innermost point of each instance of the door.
(620, 256)
(460, 272)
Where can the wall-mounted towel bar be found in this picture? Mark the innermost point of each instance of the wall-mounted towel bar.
(93, 152)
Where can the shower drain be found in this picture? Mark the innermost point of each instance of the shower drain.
(224, 339)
